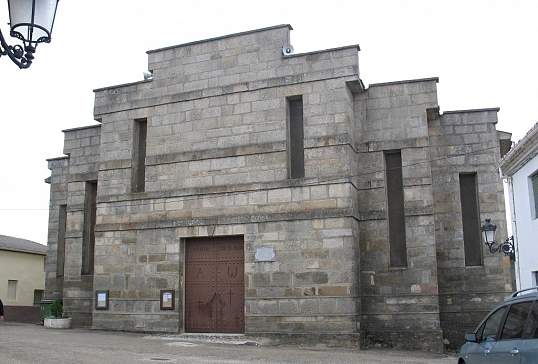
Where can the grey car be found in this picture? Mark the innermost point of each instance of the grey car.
(508, 335)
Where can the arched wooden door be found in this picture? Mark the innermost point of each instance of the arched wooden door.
(214, 285)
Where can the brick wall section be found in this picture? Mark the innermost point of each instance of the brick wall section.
(467, 142)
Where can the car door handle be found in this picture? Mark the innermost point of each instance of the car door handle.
(514, 351)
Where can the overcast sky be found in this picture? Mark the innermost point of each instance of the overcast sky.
(484, 52)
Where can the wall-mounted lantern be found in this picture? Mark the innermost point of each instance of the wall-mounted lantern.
(507, 247)
(30, 21)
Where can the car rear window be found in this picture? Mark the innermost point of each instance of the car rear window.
(516, 320)
(531, 330)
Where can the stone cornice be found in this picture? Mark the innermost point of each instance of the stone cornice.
(328, 50)
(337, 140)
(151, 98)
(220, 38)
(485, 109)
(204, 192)
(81, 128)
(525, 150)
(399, 82)
(227, 220)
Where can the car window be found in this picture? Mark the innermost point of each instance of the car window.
(531, 330)
(491, 326)
(479, 331)
(515, 321)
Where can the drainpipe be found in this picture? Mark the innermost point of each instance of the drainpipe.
(514, 227)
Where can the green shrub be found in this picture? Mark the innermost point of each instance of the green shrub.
(56, 309)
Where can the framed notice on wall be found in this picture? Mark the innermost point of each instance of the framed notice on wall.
(101, 300)
(167, 299)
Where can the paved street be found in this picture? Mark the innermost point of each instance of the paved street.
(33, 344)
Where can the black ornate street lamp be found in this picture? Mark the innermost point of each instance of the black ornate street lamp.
(30, 21)
(507, 247)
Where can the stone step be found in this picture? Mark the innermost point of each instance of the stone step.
(203, 338)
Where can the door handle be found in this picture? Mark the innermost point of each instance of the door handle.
(514, 351)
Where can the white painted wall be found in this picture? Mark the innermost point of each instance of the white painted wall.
(524, 224)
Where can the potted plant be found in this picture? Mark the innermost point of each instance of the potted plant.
(56, 319)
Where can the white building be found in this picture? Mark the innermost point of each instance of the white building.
(520, 168)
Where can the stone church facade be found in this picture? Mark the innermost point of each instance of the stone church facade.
(274, 194)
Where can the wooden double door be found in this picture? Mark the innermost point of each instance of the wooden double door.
(214, 285)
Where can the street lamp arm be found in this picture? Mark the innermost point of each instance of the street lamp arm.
(493, 247)
(507, 247)
(16, 53)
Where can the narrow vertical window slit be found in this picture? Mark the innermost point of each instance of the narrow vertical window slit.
(138, 178)
(60, 251)
(295, 137)
(88, 237)
(470, 214)
(395, 206)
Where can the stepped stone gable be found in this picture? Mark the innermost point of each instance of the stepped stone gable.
(216, 163)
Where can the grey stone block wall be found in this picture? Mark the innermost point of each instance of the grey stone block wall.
(134, 266)
(311, 285)
(397, 301)
(216, 165)
(216, 157)
(463, 142)
(69, 176)
(59, 168)
(309, 288)
(243, 140)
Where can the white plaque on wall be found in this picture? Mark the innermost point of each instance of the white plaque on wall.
(265, 254)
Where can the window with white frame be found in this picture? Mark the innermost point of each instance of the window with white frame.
(534, 194)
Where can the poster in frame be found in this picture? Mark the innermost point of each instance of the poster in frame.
(167, 299)
(101, 300)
